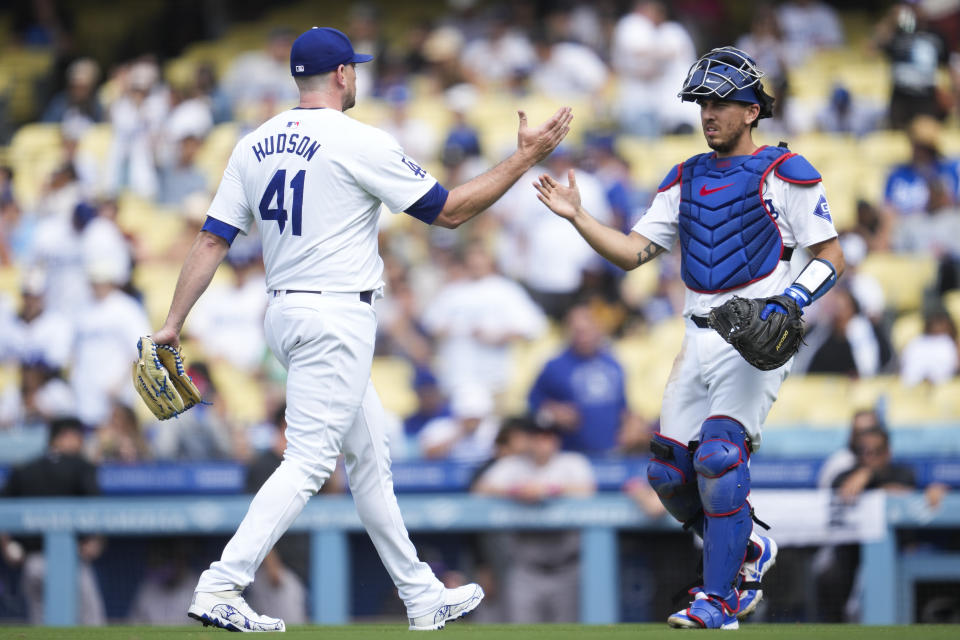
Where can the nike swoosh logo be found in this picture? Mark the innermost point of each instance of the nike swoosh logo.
(705, 192)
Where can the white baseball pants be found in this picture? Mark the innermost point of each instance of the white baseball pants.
(326, 341)
(710, 378)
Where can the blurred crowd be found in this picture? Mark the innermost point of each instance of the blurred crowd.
(458, 305)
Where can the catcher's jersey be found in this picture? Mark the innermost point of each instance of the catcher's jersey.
(314, 180)
(800, 211)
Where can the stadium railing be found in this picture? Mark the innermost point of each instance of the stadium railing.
(888, 575)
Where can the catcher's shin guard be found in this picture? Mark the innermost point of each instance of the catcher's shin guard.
(724, 480)
(672, 476)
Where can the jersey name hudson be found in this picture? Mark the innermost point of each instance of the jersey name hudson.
(302, 146)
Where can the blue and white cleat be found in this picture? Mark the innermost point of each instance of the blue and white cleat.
(751, 573)
(228, 610)
(456, 604)
(704, 613)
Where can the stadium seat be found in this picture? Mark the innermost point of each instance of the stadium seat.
(241, 392)
(951, 301)
(35, 151)
(526, 361)
(905, 328)
(904, 277)
(10, 282)
(215, 152)
(392, 377)
(794, 406)
(884, 148)
(95, 144)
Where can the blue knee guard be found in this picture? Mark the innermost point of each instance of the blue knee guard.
(672, 476)
(724, 480)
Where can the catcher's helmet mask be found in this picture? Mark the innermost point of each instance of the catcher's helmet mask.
(727, 73)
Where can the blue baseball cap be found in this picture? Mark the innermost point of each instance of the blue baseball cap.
(322, 49)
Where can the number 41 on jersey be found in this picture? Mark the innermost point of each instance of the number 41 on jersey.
(275, 190)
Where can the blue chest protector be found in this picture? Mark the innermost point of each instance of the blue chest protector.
(727, 236)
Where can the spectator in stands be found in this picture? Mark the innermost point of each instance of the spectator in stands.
(38, 334)
(543, 568)
(846, 114)
(933, 356)
(210, 92)
(582, 391)
(279, 582)
(475, 320)
(182, 177)
(844, 460)
(136, 118)
(649, 52)
(107, 331)
(14, 230)
(765, 43)
(808, 26)
(566, 70)
(60, 194)
(119, 438)
(461, 152)
(61, 471)
(916, 56)
(845, 341)
(77, 106)
(441, 50)
(40, 395)
(875, 225)
(228, 320)
(416, 136)
(467, 435)
(627, 200)
(259, 82)
(200, 434)
(431, 402)
(873, 469)
(543, 251)
(167, 585)
(929, 181)
(501, 54)
(866, 289)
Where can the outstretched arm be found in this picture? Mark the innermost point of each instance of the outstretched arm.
(626, 251)
(533, 145)
(205, 256)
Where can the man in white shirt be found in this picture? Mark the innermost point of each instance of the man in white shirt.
(313, 180)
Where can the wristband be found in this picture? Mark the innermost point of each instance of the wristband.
(815, 280)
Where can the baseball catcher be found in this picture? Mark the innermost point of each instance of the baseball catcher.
(736, 213)
(160, 379)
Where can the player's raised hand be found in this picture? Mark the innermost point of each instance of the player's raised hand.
(563, 201)
(537, 144)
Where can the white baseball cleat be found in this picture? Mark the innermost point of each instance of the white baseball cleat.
(456, 604)
(753, 572)
(228, 610)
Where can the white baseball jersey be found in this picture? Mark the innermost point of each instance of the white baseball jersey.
(314, 180)
(801, 214)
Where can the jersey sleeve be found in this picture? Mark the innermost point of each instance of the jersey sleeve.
(385, 172)
(807, 212)
(230, 203)
(659, 223)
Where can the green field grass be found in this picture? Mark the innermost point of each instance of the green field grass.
(497, 632)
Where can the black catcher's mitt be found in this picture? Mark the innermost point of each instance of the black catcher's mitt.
(766, 344)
